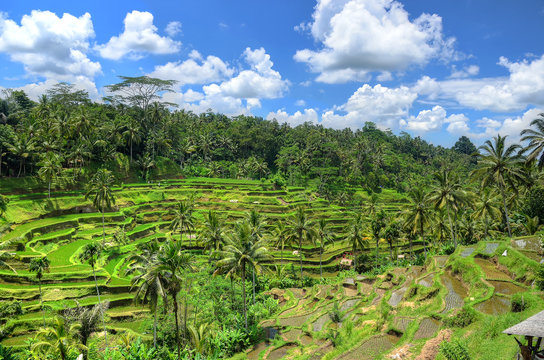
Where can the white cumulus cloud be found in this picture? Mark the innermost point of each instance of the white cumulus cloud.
(298, 118)
(363, 36)
(173, 28)
(139, 37)
(434, 119)
(49, 46)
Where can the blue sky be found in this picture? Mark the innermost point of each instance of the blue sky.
(438, 69)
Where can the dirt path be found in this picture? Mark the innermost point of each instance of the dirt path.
(431, 347)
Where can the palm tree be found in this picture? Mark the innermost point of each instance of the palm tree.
(212, 234)
(356, 236)
(183, 218)
(500, 165)
(39, 266)
(57, 338)
(198, 336)
(22, 147)
(449, 195)
(418, 215)
(485, 209)
(325, 236)
(280, 237)
(536, 141)
(392, 233)
(102, 195)
(256, 224)
(50, 167)
(238, 253)
(132, 134)
(172, 263)
(300, 229)
(531, 225)
(91, 253)
(87, 320)
(377, 223)
(149, 281)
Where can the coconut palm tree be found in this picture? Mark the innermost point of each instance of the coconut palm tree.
(500, 165)
(239, 253)
(356, 236)
(91, 253)
(132, 134)
(57, 338)
(50, 167)
(377, 223)
(173, 263)
(150, 283)
(486, 209)
(392, 233)
(100, 190)
(301, 229)
(22, 147)
(417, 215)
(87, 320)
(536, 141)
(39, 266)
(183, 218)
(325, 236)
(280, 237)
(256, 224)
(212, 233)
(449, 195)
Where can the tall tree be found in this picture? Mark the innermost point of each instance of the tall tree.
(39, 266)
(500, 165)
(301, 229)
(486, 209)
(536, 141)
(58, 338)
(280, 237)
(418, 215)
(377, 223)
(239, 253)
(356, 237)
(86, 320)
(212, 234)
(91, 253)
(173, 263)
(50, 167)
(100, 190)
(183, 218)
(391, 233)
(325, 236)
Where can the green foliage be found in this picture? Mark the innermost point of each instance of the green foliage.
(137, 351)
(533, 204)
(520, 302)
(7, 353)
(227, 342)
(466, 316)
(10, 308)
(454, 350)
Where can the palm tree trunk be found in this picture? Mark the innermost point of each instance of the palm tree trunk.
(244, 292)
(177, 324)
(131, 150)
(506, 212)
(185, 332)
(103, 227)
(155, 327)
(391, 250)
(377, 244)
(41, 301)
(253, 284)
(452, 232)
(20, 168)
(300, 254)
(98, 294)
(423, 239)
(49, 190)
(320, 262)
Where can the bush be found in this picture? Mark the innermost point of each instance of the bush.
(519, 303)
(540, 277)
(454, 350)
(10, 309)
(227, 342)
(534, 203)
(462, 319)
(447, 249)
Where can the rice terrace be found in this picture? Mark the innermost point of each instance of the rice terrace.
(355, 179)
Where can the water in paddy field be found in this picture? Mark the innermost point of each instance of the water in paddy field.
(456, 292)
(505, 287)
(494, 306)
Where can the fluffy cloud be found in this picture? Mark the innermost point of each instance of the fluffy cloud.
(195, 70)
(362, 36)
(523, 86)
(173, 28)
(298, 118)
(36, 90)
(467, 71)
(434, 119)
(140, 37)
(50, 46)
(511, 126)
(382, 105)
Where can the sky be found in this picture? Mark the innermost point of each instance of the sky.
(435, 69)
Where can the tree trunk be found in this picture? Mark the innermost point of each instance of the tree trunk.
(452, 232)
(232, 292)
(423, 239)
(177, 324)
(506, 212)
(103, 227)
(391, 250)
(98, 294)
(20, 168)
(130, 150)
(253, 285)
(155, 327)
(320, 262)
(244, 292)
(186, 333)
(300, 254)
(377, 244)
(49, 191)
(41, 301)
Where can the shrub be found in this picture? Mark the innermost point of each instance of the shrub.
(463, 318)
(447, 249)
(11, 308)
(454, 350)
(519, 303)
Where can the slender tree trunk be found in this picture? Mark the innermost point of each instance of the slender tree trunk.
(452, 231)
(130, 150)
(377, 244)
(253, 284)
(506, 212)
(423, 238)
(41, 301)
(391, 250)
(321, 262)
(49, 190)
(177, 324)
(98, 294)
(20, 168)
(103, 227)
(300, 254)
(232, 292)
(187, 290)
(155, 327)
(244, 293)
